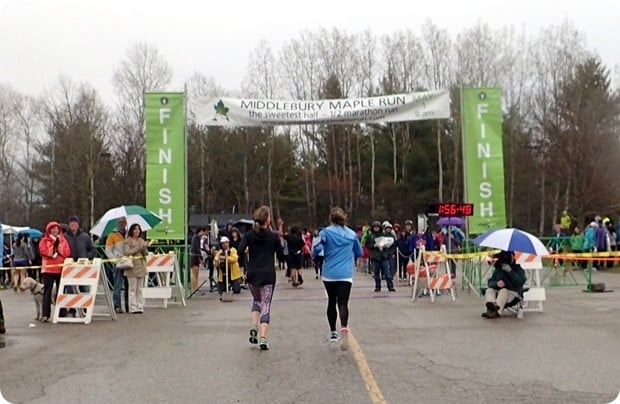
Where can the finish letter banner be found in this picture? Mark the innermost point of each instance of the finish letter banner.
(221, 111)
(483, 158)
(165, 163)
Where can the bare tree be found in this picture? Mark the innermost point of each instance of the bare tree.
(555, 55)
(262, 81)
(75, 145)
(436, 48)
(403, 68)
(479, 56)
(199, 85)
(368, 70)
(8, 131)
(142, 70)
(301, 79)
(28, 117)
(339, 58)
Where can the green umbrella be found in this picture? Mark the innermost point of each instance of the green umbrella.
(134, 214)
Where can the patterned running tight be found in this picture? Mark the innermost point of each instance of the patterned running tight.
(261, 296)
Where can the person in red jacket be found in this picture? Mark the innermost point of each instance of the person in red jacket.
(54, 249)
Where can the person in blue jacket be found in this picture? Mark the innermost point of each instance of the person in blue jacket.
(340, 247)
(404, 251)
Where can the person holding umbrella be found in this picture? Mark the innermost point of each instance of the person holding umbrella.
(508, 277)
(112, 225)
(135, 247)
(114, 245)
(506, 283)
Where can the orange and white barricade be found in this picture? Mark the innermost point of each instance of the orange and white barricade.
(433, 267)
(532, 265)
(83, 273)
(162, 270)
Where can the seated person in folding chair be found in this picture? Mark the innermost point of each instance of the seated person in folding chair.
(227, 258)
(505, 284)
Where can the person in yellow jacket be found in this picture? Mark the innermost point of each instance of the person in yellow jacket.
(565, 221)
(227, 258)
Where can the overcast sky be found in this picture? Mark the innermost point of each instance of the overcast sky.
(41, 39)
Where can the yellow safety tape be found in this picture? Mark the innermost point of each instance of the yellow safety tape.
(607, 254)
(473, 255)
(62, 265)
(463, 256)
(583, 257)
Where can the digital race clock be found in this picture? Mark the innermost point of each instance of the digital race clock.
(451, 209)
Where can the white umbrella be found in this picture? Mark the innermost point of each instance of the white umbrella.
(8, 229)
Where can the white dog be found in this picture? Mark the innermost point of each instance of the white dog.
(36, 289)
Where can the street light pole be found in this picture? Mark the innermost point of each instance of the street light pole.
(92, 195)
(91, 174)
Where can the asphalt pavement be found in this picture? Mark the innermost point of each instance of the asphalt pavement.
(400, 352)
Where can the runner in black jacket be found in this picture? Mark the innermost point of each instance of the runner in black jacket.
(261, 244)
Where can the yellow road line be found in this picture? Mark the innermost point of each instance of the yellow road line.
(371, 384)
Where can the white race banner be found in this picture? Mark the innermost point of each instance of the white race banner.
(216, 111)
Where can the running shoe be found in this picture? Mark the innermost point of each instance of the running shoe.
(344, 339)
(253, 336)
(333, 337)
(263, 344)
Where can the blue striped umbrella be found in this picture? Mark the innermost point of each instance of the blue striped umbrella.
(512, 240)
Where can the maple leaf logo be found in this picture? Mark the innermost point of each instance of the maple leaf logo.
(221, 109)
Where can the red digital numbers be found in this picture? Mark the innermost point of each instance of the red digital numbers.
(455, 209)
